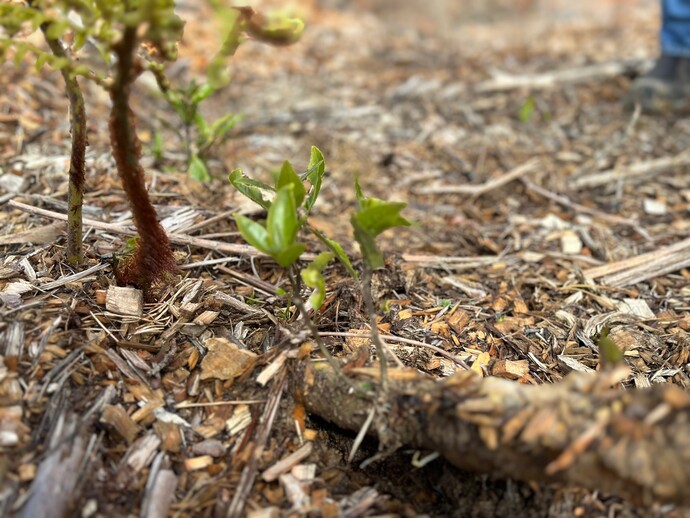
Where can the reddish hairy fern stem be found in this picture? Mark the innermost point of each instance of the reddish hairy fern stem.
(153, 261)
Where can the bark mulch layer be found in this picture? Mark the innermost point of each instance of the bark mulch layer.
(545, 212)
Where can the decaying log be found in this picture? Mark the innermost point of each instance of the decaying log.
(632, 443)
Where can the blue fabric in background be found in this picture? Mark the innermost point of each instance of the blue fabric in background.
(675, 27)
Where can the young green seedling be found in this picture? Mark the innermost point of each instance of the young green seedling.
(609, 353)
(278, 237)
(199, 135)
(374, 217)
(255, 191)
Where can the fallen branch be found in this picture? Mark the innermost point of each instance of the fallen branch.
(630, 443)
(501, 81)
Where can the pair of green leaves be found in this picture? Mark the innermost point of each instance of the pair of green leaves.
(278, 238)
(287, 214)
(374, 217)
(254, 189)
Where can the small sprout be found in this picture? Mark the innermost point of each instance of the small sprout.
(278, 238)
(374, 217)
(197, 169)
(609, 353)
(313, 277)
(385, 306)
(527, 110)
(157, 146)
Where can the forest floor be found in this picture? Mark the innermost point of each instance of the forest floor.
(529, 184)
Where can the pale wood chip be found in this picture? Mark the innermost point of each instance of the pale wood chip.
(141, 453)
(287, 463)
(510, 369)
(125, 301)
(160, 494)
(241, 418)
(571, 364)
(637, 307)
(38, 235)
(225, 360)
(196, 463)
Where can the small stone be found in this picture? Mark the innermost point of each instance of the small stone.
(212, 447)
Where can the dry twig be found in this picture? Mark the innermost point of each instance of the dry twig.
(502, 81)
(477, 190)
(642, 267)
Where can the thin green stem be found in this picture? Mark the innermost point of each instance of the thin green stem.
(296, 285)
(375, 337)
(77, 170)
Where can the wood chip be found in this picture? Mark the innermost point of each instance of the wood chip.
(510, 369)
(272, 369)
(654, 207)
(212, 447)
(571, 364)
(161, 495)
(225, 360)
(116, 419)
(141, 453)
(170, 436)
(206, 318)
(54, 487)
(637, 307)
(196, 463)
(240, 419)
(11, 427)
(125, 301)
(570, 243)
(482, 361)
(287, 463)
(37, 235)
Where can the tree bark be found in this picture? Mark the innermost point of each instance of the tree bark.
(632, 443)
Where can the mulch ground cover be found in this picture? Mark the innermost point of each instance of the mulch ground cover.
(544, 210)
